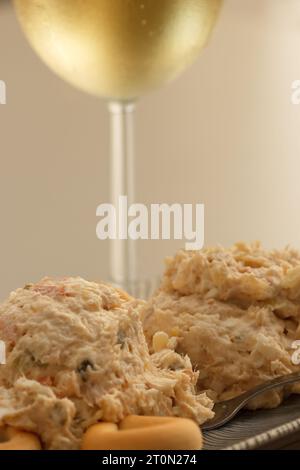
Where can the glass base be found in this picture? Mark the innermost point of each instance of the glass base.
(142, 289)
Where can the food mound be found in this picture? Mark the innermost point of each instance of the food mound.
(76, 354)
(236, 313)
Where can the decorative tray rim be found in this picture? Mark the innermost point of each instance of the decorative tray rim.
(267, 437)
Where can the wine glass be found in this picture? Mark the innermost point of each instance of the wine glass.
(120, 50)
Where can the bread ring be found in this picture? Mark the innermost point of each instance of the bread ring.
(144, 433)
(14, 439)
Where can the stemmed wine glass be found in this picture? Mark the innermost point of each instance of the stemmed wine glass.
(120, 50)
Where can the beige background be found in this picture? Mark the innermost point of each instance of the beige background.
(224, 134)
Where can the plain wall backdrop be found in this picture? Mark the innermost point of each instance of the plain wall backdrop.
(224, 134)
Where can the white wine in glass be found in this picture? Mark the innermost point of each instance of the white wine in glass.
(120, 50)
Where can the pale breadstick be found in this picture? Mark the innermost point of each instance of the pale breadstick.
(144, 433)
(14, 439)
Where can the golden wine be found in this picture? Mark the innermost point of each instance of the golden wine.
(118, 48)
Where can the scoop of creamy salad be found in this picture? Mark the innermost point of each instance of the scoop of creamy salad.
(76, 354)
(235, 312)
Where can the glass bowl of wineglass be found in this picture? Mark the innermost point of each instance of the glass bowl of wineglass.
(119, 50)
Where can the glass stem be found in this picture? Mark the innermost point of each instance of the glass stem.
(123, 259)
